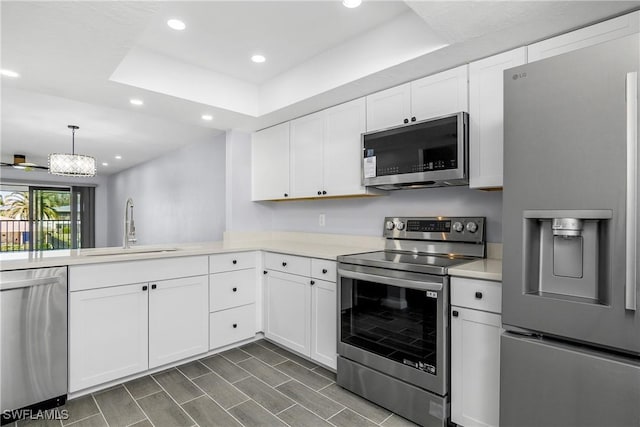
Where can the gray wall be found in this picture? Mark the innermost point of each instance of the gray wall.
(178, 197)
(10, 175)
(362, 216)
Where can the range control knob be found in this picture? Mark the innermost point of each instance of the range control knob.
(472, 227)
(390, 225)
(400, 225)
(457, 226)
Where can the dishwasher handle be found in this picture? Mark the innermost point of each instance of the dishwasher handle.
(28, 283)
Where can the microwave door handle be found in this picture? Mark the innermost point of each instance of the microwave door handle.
(402, 283)
(632, 188)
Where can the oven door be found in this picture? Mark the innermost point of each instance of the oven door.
(396, 323)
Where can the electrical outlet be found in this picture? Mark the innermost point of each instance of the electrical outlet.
(321, 219)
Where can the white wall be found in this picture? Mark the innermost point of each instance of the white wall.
(39, 177)
(362, 216)
(178, 197)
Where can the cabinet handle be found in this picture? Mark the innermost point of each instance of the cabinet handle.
(284, 264)
(454, 313)
(479, 295)
(313, 282)
(144, 288)
(324, 271)
(413, 119)
(264, 272)
(319, 192)
(235, 325)
(324, 192)
(286, 195)
(406, 121)
(234, 262)
(235, 289)
(154, 286)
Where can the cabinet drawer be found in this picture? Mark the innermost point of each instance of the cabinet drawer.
(287, 263)
(232, 289)
(477, 294)
(233, 325)
(232, 262)
(323, 269)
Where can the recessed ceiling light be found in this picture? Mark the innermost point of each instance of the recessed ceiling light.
(118, 157)
(207, 117)
(351, 3)
(105, 164)
(9, 73)
(176, 24)
(135, 101)
(258, 59)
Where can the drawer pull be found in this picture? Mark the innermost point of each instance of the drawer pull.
(479, 295)
(455, 313)
(235, 325)
(235, 289)
(154, 286)
(313, 282)
(144, 288)
(324, 271)
(235, 261)
(264, 272)
(284, 264)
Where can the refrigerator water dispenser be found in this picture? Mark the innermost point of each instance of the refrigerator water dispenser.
(565, 255)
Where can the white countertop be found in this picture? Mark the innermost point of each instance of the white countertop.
(486, 269)
(302, 244)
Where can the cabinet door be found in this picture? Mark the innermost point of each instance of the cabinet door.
(475, 367)
(178, 319)
(324, 315)
(270, 163)
(287, 313)
(588, 36)
(388, 108)
(344, 125)
(307, 135)
(107, 334)
(486, 117)
(440, 94)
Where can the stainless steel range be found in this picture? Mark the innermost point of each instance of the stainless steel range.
(393, 339)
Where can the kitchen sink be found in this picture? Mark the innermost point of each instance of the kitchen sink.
(122, 251)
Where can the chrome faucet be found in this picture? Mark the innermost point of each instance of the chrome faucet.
(129, 226)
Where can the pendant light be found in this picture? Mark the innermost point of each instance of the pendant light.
(72, 164)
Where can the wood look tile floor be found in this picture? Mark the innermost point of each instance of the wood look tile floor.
(258, 384)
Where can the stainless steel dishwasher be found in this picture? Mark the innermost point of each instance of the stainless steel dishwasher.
(33, 335)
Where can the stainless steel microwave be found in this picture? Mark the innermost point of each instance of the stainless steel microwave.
(429, 153)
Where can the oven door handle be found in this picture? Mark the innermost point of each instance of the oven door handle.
(402, 283)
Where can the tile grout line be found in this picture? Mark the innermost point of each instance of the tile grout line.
(214, 401)
(385, 420)
(146, 395)
(352, 409)
(237, 404)
(314, 391)
(289, 407)
(138, 405)
(175, 401)
(99, 409)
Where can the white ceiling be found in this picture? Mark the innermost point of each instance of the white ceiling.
(81, 61)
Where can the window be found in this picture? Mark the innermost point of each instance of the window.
(46, 218)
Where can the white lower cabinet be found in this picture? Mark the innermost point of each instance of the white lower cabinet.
(108, 334)
(118, 329)
(301, 308)
(475, 352)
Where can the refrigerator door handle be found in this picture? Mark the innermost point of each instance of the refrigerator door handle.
(632, 188)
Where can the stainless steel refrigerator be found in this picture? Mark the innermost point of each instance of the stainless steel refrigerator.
(570, 354)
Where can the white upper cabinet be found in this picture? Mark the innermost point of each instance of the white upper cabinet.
(588, 36)
(486, 117)
(440, 94)
(307, 139)
(270, 163)
(326, 152)
(343, 127)
(432, 96)
(388, 108)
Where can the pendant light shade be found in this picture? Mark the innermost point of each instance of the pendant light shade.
(72, 164)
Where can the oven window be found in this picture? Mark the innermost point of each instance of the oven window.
(397, 323)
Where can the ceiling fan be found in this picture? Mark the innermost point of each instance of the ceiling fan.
(20, 162)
